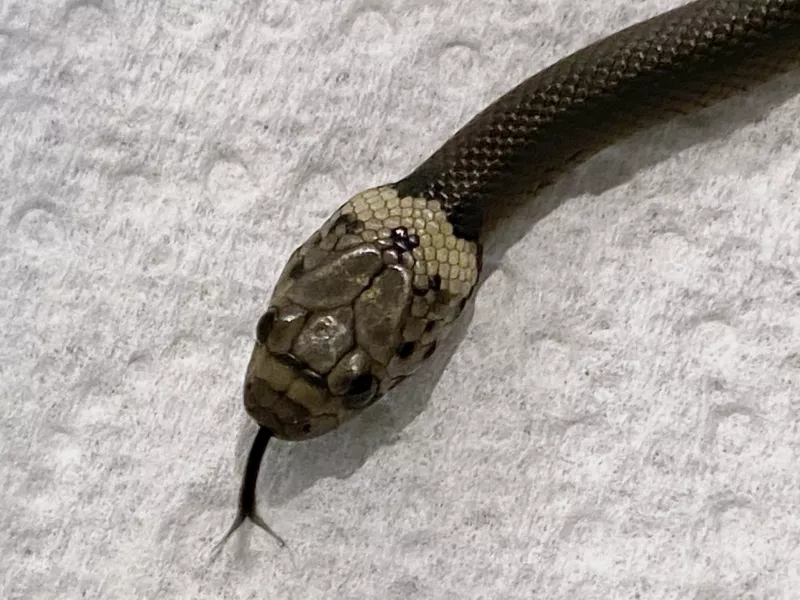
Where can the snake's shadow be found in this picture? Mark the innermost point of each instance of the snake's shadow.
(291, 468)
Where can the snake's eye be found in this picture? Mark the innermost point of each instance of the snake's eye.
(265, 326)
(361, 392)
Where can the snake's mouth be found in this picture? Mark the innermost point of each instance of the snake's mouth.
(280, 414)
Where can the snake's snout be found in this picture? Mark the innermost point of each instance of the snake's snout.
(285, 417)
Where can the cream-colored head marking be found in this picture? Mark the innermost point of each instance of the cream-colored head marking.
(358, 307)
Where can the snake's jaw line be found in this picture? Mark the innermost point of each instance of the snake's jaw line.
(358, 307)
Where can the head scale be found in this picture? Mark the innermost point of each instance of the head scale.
(357, 308)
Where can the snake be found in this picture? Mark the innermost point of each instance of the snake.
(368, 297)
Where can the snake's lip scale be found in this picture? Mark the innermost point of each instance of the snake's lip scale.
(367, 298)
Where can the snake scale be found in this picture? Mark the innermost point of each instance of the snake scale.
(365, 300)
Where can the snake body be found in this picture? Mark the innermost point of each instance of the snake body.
(365, 300)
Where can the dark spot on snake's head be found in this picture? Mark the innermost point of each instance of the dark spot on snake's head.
(405, 349)
(403, 241)
(399, 233)
(264, 325)
(355, 226)
(430, 350)
(342, 220)
(297, 269)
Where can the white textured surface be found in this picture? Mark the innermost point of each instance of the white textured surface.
(619, 421)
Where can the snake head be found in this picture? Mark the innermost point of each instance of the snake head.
(358, 307)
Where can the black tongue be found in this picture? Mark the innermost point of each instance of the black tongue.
(247, 493)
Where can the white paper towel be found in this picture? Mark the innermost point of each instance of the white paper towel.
(618, 421)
